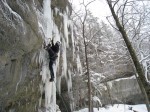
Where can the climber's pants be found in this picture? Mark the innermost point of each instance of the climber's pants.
(51, 68)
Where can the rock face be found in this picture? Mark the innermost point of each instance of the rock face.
(118, 91)
(125, 90)
(21, 36)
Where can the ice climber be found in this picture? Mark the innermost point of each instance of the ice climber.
(53, 54)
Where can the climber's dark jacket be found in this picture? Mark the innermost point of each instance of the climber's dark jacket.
(53, 50)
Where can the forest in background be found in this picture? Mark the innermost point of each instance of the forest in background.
(117, 49)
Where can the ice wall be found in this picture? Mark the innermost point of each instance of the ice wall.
(65, 36)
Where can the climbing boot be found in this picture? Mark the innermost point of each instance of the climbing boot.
(51, 79)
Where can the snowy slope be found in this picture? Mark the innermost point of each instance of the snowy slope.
(119, 108)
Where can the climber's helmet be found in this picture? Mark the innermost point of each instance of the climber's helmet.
(58, 43)
(49, 45)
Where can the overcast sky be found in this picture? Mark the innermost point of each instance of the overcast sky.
(99, 8)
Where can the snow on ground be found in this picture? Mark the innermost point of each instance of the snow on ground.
(120, 108)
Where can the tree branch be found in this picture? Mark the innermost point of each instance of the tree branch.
(111, 24)
(115, 3)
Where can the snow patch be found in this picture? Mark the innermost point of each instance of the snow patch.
(96, 99)
(119, 108)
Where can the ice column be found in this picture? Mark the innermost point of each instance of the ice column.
(48, 20)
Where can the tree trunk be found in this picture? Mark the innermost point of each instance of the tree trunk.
(89, 78)
(144, 86)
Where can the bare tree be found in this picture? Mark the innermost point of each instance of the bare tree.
(83, 22)
(120, 23)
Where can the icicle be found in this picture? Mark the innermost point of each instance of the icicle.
(69, 84)
(59, 85)
(69, 81)
(48, 19)
(56, 11)
(65, 17)
(72, 37)
(64, 65)
(64, 71)
(48, 93)
(68, 11)
(56, 33)
(44, 62)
